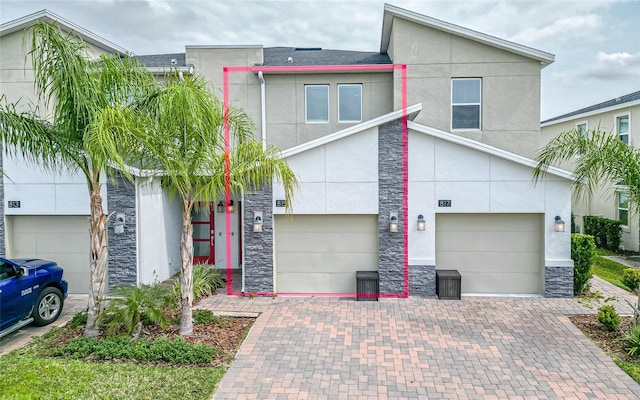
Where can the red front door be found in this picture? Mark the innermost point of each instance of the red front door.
(202, 219)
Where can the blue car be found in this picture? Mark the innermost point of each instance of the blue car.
(31, 290)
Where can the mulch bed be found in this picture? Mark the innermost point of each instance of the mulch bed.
(610, 342)
(225, 334)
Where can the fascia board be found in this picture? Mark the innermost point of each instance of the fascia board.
(591, 113)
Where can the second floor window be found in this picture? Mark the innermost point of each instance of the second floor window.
(583, 128)
(466, 103)
(623, 208)
(349, 103)
(317, 103)
(622, 128)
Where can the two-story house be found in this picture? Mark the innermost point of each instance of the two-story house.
(609, 201)
(411, 158)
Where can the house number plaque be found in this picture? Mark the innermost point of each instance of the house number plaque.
(14, 203)
(281, 203)
(444, 203)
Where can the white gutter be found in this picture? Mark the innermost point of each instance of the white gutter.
(263, 109)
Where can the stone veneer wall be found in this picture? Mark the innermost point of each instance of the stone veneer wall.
(2, 234)
(422, 280)
(558, 281)
(390, 193)
(258, 246)
(123, 265)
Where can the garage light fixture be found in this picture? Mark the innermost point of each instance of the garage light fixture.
(220, 208)
(559, 224)
(421, 222)
(393, 222)
(257, 221)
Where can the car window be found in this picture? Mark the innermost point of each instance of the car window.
(6, 271)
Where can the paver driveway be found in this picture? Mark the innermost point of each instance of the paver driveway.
(320, 348)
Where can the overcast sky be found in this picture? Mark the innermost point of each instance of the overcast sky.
(596, 43)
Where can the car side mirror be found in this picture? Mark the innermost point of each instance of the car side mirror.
(23, 271)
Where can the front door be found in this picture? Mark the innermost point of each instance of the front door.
(210, 234)
(203, 221)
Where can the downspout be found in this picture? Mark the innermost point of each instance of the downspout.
(263, 109)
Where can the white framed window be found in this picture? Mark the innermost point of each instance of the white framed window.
(583, 127)
(316, 98)
(350, 103)
(623, 127)
(623, 208)
(466, 103)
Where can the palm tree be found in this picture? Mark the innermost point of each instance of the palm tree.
(188, 149)
(598, 157)
(74, 91)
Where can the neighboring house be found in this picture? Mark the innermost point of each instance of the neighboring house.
(457, 178)
(610, 201)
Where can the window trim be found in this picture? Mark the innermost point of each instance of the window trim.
(479, 104)
(349, 121)
(306, 104)
(618, 208)
(586, 126)
(616, 117)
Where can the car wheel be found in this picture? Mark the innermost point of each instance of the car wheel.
(48, 307)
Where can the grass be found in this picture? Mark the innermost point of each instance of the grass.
(25, 376)
(610, 271)
(631, 368)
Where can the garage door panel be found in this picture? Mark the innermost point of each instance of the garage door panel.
(476, 222)
(495, 253)
(318, 282)
(63, 239)
(490, 261)
(328, 242)
(475, 282)
(331, 263)
(321, 253)
(327, 223)
(487, 240)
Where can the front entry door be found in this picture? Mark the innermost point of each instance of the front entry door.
(210, 234)
(202, 219)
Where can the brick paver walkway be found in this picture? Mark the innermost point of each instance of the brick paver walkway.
(515, 348)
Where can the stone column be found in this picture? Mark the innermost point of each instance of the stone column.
(258, 246)
(123, 265)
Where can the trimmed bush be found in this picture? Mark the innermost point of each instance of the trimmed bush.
(608, 317)
(607, 233)
(631, 278)
(161, 349)
(206, 280)
(583, 251)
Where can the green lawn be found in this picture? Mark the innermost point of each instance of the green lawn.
(609, 270)
(633, 369)
(26, 376)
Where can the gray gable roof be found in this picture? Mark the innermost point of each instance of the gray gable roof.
(627, 98)
(279, 56)
(162, 60)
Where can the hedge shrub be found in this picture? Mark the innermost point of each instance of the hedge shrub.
(607, 233)
(608, 317)
(631, 278)
(583, 251)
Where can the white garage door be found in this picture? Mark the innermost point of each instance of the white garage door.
(63, 239)
(495, 253)
(321, 253)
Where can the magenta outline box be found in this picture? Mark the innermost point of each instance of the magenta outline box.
(405, 167)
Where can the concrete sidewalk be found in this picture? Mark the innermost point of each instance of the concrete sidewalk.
(73, 304)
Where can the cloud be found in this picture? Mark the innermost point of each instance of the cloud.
(572, 26)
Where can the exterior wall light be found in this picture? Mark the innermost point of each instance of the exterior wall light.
(118, 226)
(393, 222)
(257, 221)
(421, 222)
(559, 224)
(220, 208)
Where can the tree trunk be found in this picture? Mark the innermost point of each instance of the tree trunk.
(98, 260)
(186, 272)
